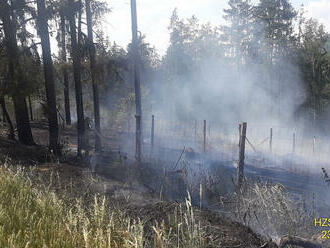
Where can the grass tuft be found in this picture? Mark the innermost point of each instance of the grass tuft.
(36, 217)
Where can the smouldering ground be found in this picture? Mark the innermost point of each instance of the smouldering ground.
(154, 223)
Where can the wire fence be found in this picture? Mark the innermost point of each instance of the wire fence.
(266, 144)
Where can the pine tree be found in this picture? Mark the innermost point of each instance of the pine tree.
(49, 76)
(76, 60)
(64, 69)
(237, 34)
(93, 76)
(15, 75)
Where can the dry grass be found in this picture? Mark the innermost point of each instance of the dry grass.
(183, 231)
(35, 217)
(268, 209)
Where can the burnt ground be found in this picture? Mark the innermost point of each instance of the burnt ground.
(220, 229)
(124, 183)
(120, 181)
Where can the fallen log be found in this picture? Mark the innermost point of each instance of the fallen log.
(298, 241)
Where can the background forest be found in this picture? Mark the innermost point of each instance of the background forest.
(268, 63)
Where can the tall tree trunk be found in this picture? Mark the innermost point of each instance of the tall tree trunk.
(27, 52)
(65, 74)
(77, 80)
(136, 82)
(7, 117)
(79, 24)
(3, 117)
(49, 76)
(15, 76)
(22, 120)
(30, 108)
(96, 102)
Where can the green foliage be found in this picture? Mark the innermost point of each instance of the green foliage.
(315, 64)
(260, 34)
(190, 42)
(237, 35)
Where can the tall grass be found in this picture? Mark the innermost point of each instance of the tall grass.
(183, 230)
(32, 216)
(269, 209)
(35, 218)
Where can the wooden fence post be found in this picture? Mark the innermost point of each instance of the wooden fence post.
(138, 138)
(152, 132)
(239, 134)
(240, 171)
(204, 136)
(271, 140)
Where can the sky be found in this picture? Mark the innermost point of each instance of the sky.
(154, 15)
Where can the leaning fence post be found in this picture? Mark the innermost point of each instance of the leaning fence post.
(240, 171)
(204, 136)
(152, 132)
(271, 140)
(294, 143)
(138, 138)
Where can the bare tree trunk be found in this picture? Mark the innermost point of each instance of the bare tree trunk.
(49, 76)
(65, 74)
(98, 145)
(15, 76)
(30, 108)
(77, 79)
(27, 52)
(136, 81)
(3, 117)
(7, 118)
(22, 120)
(79, 23)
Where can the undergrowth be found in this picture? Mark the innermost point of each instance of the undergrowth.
(268, 209)
(35, 216)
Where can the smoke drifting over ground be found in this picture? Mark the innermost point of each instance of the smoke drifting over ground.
(217, 91)
(200, 79)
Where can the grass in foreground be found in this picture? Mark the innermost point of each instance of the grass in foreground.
(36, 217)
